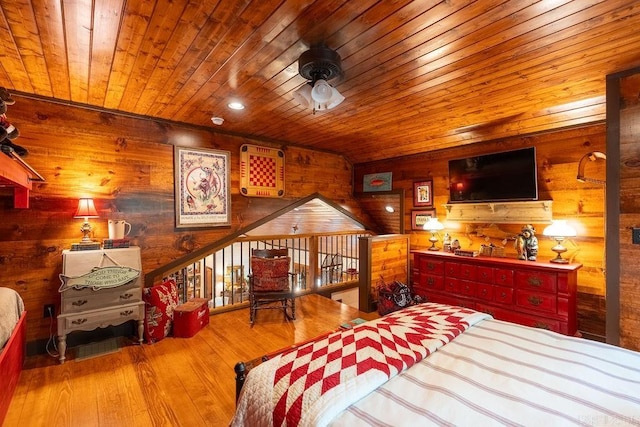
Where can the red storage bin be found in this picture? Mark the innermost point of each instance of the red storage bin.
(190, 317)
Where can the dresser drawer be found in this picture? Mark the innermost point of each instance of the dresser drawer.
(503, 277)
(431, 282)
(92, 319)
(523, 319)
(538, 301)
(484, 291)
(503, 295)
(536, 280)
(452, 300)
(72, 302)
(484, 274)
(461, 270)
(430, 266)
(452, 285)
(467, 288)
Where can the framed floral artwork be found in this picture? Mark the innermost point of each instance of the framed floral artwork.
(423, 193)
(420, 217)
(202, 189)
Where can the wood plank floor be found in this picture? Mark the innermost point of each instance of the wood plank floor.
(176, 382)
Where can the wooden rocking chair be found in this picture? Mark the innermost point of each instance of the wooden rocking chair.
(270, 286)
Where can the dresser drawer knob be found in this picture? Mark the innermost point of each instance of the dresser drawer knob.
(126, 296)
(126, 313)
(484, 292)
(79, 321)
(79, 303)
(533, 300)
(534, 281)
(503, 295)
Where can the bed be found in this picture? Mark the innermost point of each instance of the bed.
(12, 345)
(434, 364)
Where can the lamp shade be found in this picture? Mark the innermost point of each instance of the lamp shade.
(322, 91)
(86, 209)
(433, 224)
(302, 95)
(559, 228)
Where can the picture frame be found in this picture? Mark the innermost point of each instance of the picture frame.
(423, 193)
(420, 217)
(202, 187)
(377, 182)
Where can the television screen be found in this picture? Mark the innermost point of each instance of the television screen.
(505, 176)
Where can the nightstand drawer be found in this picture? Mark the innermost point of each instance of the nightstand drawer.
(92, 319)
(73, 302)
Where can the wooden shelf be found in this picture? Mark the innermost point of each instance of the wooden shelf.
(16, 173)
(501, 212)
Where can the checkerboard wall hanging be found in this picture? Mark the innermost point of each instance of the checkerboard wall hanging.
(261, 171)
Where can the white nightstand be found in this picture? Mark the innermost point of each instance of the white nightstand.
(87, 309)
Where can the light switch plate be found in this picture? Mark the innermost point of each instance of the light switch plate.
(635, 236)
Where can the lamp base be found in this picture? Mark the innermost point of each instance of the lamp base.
(86, 230)
(433, 239)
(559, 250)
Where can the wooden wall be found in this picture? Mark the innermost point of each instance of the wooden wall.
(126, 165)
(623, 115)
(558, 156)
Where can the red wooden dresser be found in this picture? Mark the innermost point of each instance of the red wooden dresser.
(533, 293)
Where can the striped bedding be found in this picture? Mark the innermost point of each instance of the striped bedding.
(498, 373)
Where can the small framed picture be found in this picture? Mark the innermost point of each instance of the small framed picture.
(423, 193)
(420, 217)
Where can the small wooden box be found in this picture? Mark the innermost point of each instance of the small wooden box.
(190, 317)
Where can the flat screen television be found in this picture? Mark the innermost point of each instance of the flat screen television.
(504, 176)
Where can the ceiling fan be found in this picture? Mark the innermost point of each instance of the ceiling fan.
(319, 65)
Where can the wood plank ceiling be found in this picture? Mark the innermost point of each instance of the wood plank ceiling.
(418, 75)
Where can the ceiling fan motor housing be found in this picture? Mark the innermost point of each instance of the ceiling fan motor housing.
(320, 62)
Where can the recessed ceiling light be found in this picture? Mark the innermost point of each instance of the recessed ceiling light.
(217, 120)
(236, 105)
(389, 209)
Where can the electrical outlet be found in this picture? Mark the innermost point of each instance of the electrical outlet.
(49, 310)
(635, 236)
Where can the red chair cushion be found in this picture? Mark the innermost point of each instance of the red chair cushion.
(160, 301)
(270, 274)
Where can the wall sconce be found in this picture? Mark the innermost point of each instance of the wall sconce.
(86, 209)
(592, 156)
(433, 225)
(559, 230)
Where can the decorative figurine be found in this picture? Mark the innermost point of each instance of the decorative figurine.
(446, 243)
(527, 243)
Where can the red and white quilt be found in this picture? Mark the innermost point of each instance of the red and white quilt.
(309, 385)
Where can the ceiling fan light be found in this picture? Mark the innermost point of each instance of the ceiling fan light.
(302, 96)
(322, 91)
(335, 100)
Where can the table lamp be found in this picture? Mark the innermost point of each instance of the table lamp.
(559, 230)
(433, 225)
(86, 210)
